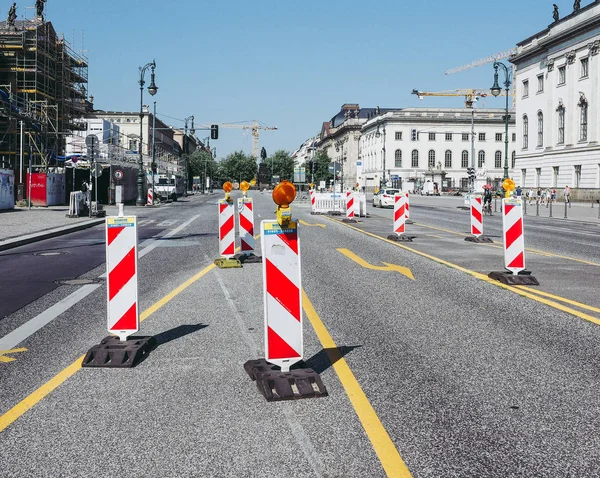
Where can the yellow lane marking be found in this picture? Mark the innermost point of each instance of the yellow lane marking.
(388, 267)
(5, 359)
(304, 223)
(37, 395)
(561, 299)
(483, 277)
(387, 453)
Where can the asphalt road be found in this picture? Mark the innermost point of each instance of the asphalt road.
(464, 377)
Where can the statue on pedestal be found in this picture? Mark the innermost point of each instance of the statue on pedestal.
(12, 15)
(39, 8)
(576, 5)
(555, 14)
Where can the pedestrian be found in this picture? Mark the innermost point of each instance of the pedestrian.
(530, 195)
(567, 194)
(539, 195)
(553, 195)
(519, 191)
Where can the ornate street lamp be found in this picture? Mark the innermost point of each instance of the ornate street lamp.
(152, 89)
(496, 90)
(185, 157)
(340, 144)
(377, 135)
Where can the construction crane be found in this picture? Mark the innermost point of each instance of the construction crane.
(470, 94)
(255, 126)
(482, 61)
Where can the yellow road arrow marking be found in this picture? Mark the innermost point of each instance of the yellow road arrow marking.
(388, 267)
(304, 223)
(10, 359)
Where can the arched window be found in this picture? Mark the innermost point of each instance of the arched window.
(481, 159)
(464, 159)
(583, 118)
(398, 158)
(448, 159)
(561, 123)
(431, 159)
(525, 131)
(415, 159)
(498, 159)
(513, 159)
(540, 138)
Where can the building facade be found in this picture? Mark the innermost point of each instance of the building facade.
(407, 147)
(557, 83)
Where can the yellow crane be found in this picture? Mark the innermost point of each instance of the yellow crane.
(254, 127)
(470, 94)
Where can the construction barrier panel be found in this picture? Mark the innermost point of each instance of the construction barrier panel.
(282, 293)
(407, 205)
(75, 203)
(349, 205)
(399, 213)
(226, 228)
(476, 215)
(514, 242)
(150, 200)
(327, 203)
(246, 224)
(122, 284)
(312, 200)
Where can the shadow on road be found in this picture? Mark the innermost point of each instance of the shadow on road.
(325, 358)
(177, 332)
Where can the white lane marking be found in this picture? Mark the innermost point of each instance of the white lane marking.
(145, 222)
(14, 338)
(167, 223)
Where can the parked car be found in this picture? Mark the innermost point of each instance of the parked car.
(385, 197)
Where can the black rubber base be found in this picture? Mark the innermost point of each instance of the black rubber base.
(276, 385)
(508, 278)
(479, 239)
(400, 238)
(354, 221)
(248, 258)
(112, 353)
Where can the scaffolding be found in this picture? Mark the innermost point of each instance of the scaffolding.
(43, 83)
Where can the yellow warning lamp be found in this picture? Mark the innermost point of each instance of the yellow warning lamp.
(508, 185)
(227, 187)
(244, 186)
(283, 195)
(311, 185)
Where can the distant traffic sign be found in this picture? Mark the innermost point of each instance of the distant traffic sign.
(96, 170)
(118, 174)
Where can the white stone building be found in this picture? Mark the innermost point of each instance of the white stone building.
(557, 80)
(411, 146)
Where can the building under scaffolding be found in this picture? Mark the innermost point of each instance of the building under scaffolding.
(43, 84)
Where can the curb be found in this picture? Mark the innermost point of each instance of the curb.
(40, 236)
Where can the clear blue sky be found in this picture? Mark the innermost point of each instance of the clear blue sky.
(289, 64)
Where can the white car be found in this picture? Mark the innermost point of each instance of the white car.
(385, 197)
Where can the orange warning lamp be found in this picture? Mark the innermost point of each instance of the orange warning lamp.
(283, 195)
(244, 186)
(227, 187)
(508, 185)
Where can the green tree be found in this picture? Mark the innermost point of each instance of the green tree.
(321, 167)
(237, 167)
(282, 164)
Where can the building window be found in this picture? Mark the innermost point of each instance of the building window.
(498, 136)
(481, 136)
(561, 124)
(481, 159)
(577, 175)
(583, 119)
(584, 67)
(513, 160)
(525, 88)
(540, 135)
(525, 131)
(538, 176)
(514, 137)
(398, 158)
(562, 78)
(498, 159)
(448, 159)
(465, 136)
(414, 159)
(448, 136)
(431, 159)
(554, 176)
(464, 159)
(540, 81)
(398, 135)
(431, 136)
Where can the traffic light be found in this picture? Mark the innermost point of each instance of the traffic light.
(471, 173)
(154, 167)
(413, 135)
(214, 131)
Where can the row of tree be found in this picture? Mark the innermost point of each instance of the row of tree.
(239, 166)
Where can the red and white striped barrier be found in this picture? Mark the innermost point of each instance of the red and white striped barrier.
(312, 200)
(399, 213)
(150, 201)
(476, 215)
(514, 243)
(406, 206)
(349, 205)
(226, 228)
(246, 223)
(122, 286)
(282, 293)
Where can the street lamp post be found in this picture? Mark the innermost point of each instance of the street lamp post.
(152, 89)
(153, 167)
(340, 145)
(377, 135)
(185, 157)
(495, 89)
